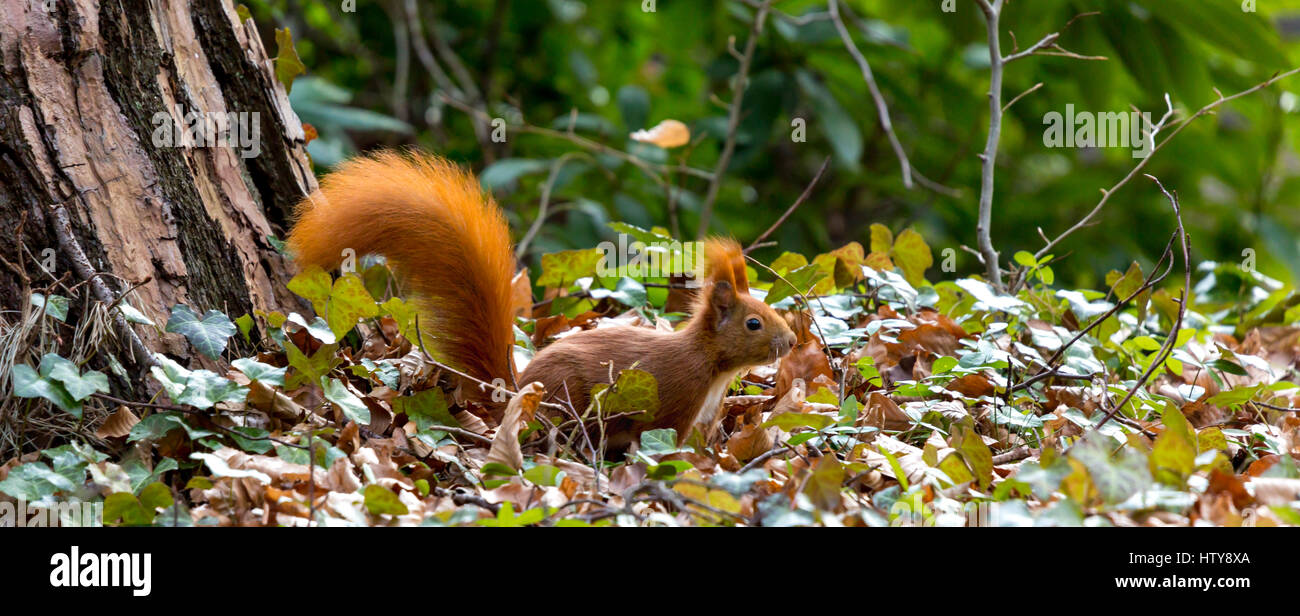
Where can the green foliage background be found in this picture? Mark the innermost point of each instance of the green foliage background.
(623, 68)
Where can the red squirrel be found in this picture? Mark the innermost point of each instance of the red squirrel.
(450, 242)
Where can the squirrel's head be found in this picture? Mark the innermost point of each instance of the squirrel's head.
(747, 331)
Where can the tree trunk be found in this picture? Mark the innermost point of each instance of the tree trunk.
(106, 192)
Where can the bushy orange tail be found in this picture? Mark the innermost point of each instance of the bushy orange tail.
(439, 231)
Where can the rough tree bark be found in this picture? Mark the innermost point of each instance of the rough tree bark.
(82, 162)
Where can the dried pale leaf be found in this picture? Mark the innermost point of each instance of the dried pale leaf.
(1275, 490)
(471, 422)
(793, 401)
(807, 362)
(340, 477)
(505, 445)
(731, 401)
(666, 134)
(266, 399)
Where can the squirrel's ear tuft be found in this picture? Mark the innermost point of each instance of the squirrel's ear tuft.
(725, 261)
(719, 300)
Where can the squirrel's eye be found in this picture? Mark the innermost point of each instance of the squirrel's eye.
(754, 325)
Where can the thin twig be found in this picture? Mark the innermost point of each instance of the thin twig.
(764, 457)
(522, 249)
(733, 120)
(1178, 127)
(1151, 280)
(1168, 347)
(790, 210)
(882, 110)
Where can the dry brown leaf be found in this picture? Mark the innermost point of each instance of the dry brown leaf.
(751, 440)
(883, 413)
(118, 424)
(972, 386)
(807, 362)
(546, 327)
(1221, 482)
(521, 292)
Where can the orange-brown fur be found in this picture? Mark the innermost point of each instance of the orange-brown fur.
(451, 242)
(439, 231)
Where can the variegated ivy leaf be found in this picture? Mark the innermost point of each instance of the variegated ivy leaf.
(208, 334)
(204, 389)
(352, 406)
(258, 371)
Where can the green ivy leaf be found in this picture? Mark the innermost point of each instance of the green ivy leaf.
(245, 325)
(912, 255)
(132, 315)
(796, 282)
(352, 406)
(823, 485)
(545, 475)
(204, 389)
(1116, 478)
(156, 496)
(506, 517)
(258, 371)
(977, 457)
(403, 314)
(34, 482)
(381, 500)
(427, 408)
(125, 508)
(628, 292)
(349, 302)
(209, 334)
(310, 368)
(29, 384)
(314, 285)
(660, 442)
(79, 386)
(159, 424)
(55, 305)
(791, 420)
(641, 235)
(506, 170)
(633, 391)
(565, 267)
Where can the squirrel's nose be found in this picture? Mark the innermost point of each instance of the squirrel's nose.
(789, 340)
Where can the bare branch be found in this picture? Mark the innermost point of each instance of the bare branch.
(882, 110)
(1046, 42)
(983, 233)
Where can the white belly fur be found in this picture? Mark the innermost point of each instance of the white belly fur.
(707, 414)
